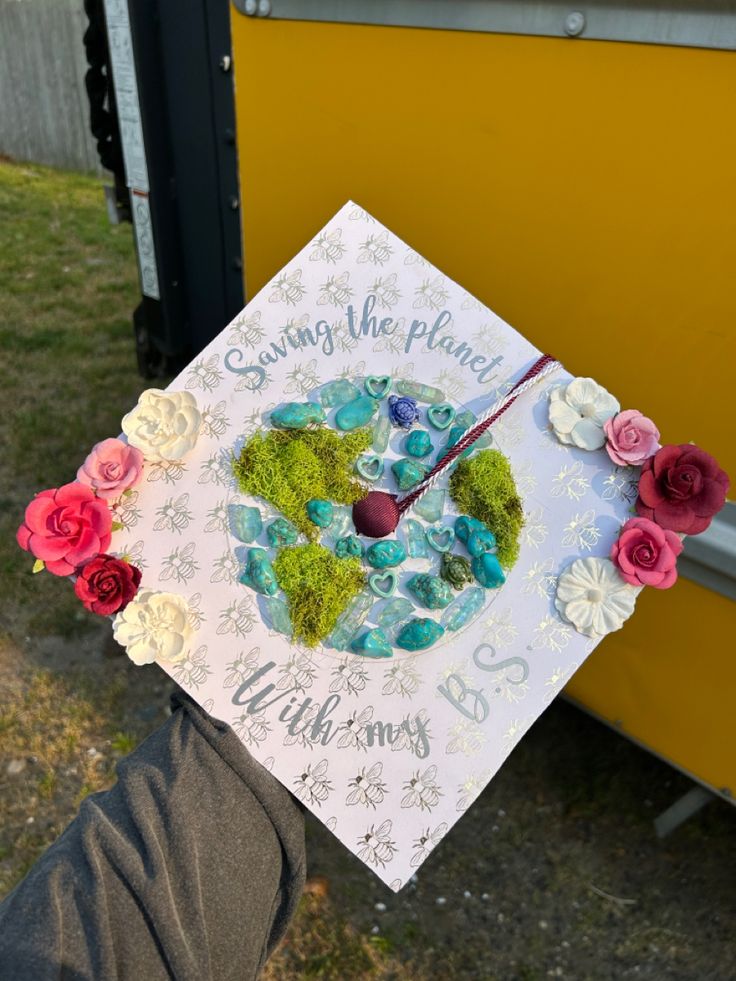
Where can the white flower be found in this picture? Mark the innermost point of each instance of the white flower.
(593, 597)
(154, 626)
(164, 426)
(577, 412)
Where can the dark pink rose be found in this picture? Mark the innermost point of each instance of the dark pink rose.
(111, 468)
(632, 438)
(646, 555)
(681, 488)
(65, 527)
(106, 585)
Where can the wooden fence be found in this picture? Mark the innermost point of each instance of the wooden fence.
(44, 114)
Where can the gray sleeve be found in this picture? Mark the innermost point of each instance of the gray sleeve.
(190, 867)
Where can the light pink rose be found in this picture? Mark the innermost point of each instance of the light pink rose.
(65, 527)
(632, 438)
(111, 468)
(645, 554)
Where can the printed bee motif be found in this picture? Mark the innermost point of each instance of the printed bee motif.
(386, 291)
(312, 785)
(376, 845)
(426, 842)
(366, 787)
(205, 374)
(328, 247)
(431, 295)
(353, 729)
(237, 619)
(288, 289)
(214, 420)
(193, 670)
(243, 666)
(247, 331)
(422, 790)
(336, 291)
(180, 565)
(173, 515)
(375, 249)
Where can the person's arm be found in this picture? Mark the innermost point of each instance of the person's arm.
(190, 867)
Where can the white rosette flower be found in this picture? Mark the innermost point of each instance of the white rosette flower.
(592, 596)
(578, 411)
(154, 627)
(164, 426)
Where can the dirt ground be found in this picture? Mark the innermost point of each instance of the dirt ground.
(554, 872)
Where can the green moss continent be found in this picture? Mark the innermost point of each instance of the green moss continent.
(484, 488)
(318, 587)
(287, 468)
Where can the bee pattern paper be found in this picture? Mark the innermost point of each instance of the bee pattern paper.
(388, 753)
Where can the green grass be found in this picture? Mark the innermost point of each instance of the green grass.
(68, 283)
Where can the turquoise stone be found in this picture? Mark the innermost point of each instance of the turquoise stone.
(481, 541)
(454, 436)
(349, 547)
(441, 538)
(408, 473)
(396, 609)
(431, 505)
(423, 393)
(465, 525)
(441, 416)
(370, 466)
(383, 584)
(419, 444)
(338, 392)
(259, 574)
(383, 555)
(419, 634)
(431, 591)
(350, 621)
(465, 418)
(381, 434)
(278, 617)
(320, 512)
(415, 539)
(373, 643)
(378, 386)
(465, 608)
(355, 414)
(245, 523)
(281, 532)
(297, 415)
(487, 570)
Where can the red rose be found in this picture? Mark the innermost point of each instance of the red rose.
(64, 527)
(681, 488)
(106, 584)
(646, 554)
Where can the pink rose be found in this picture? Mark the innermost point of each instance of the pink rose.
(111, 468)
(645, 554)
(682, 488)
(632, 438)
(65, 527)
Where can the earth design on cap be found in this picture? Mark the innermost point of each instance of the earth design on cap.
(350, 571)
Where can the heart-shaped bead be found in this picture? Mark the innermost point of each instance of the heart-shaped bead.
(370, 466)
(383, 584)
(440, 416)
(378, 386)
(441, 538)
